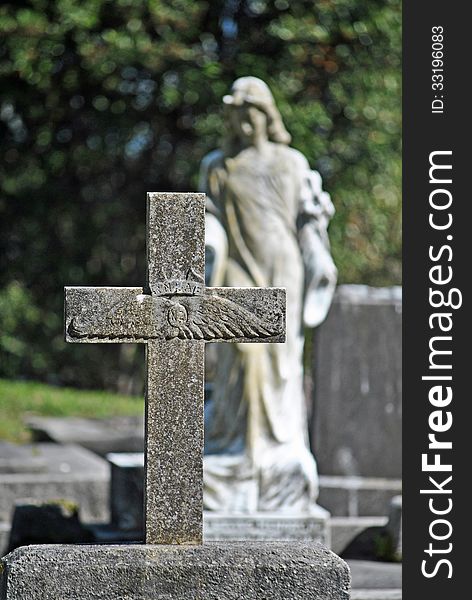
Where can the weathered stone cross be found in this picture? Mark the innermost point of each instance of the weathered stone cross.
(174, 315)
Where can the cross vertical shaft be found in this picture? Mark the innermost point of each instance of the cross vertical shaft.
(175, 377)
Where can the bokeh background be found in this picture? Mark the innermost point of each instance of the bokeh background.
(104, 100)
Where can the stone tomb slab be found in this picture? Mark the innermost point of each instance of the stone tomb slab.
(357, 496)
(115, 434)
(214, 571)
(58, 471)
(20, 459)
(127, 490)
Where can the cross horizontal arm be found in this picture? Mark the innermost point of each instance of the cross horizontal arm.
(107, 314)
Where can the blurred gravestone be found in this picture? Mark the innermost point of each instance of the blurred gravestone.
(357, 379)
(127, 493)
(356, 424)
(49, 471)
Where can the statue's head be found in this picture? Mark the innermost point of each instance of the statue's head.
(252, 106)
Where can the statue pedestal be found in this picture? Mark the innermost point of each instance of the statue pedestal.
(268, 526)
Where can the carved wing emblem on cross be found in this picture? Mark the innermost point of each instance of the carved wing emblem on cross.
(216, 318)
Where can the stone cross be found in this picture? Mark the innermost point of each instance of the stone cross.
(174, 315)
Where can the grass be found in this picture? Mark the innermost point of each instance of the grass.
(19, 398)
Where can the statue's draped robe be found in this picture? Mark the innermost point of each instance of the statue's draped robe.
(266, 224)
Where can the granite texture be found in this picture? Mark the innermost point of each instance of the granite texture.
(174, 315)
(175, 240)
(357, 374)
(174, 442)
(229, 571)
(71, 472)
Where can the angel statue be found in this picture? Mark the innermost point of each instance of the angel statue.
(267, 219)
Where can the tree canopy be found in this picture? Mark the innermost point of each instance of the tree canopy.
(104, 100)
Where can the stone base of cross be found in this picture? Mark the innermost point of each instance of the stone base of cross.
(174, 315)
(213, 571)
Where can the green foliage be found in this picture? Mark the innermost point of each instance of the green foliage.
(18, 399)
(103, 100)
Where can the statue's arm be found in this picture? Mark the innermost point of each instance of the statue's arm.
(315, 212)
(314, 202)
